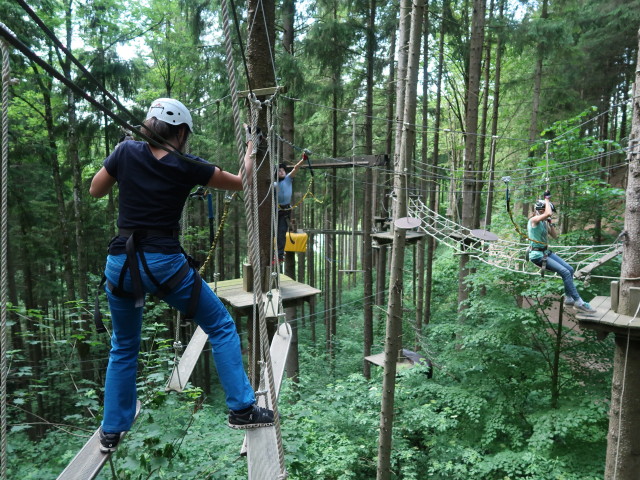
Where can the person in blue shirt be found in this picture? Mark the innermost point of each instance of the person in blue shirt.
(154, 180)
(284, 189)
(539, 229)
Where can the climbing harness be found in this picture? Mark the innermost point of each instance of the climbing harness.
(133, 252)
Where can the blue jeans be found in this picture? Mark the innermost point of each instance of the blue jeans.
(211, 315)
(562, 268)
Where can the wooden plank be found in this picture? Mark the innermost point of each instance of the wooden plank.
(260, 92)
(634, 299)
(261, 443)
(586, 270)
(384, 238)
(182, 372)
(615, 295)
(88, 462)
(348, 162)
(232, 293)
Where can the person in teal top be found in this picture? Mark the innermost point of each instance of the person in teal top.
(539, 229)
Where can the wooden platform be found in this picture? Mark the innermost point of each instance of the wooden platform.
(232, 293)
(407, 359)
(606, 321)
(385, 238)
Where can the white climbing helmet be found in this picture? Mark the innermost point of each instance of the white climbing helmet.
(171, 111)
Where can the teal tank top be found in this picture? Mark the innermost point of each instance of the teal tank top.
(539, 233)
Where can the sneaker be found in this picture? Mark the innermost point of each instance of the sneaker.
(252, 417)
(108, 441)
(585, 307)
(569, 302)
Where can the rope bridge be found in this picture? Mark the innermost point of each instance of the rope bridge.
(502, 253)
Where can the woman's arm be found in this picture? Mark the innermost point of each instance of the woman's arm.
(229, 181)
(101, 184)
(293, 172)
(544, 215)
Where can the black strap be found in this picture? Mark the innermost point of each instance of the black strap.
(136, 279)
(141, 233)
(192, 309)
(162, 290)
(540, 249)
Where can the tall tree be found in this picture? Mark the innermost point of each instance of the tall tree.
(367, 250)
(432, 185)
(393, 337)
(471, 130)
(624, 417)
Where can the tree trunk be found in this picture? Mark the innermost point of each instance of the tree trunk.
(401, 78)
(424, 184)
(63, 223)
(631, 252)
(367, 223)
(261, 75)
(433, 183)
(483, 128)
(393, 340)
(73, 159)
(384, 178)
(288, 109)
(623, 439)
(494, 120)
(471, 128)
(623, 442)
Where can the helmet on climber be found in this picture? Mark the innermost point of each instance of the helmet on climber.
(540, 206)
(170, 111)
(166, 121)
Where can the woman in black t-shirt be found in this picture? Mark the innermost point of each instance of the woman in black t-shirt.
(154, 180)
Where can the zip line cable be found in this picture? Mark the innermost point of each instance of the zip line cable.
(419, 127)
(69, 55)
(27, 52)
(244, 59)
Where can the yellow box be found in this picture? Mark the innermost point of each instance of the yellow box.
(296, 242)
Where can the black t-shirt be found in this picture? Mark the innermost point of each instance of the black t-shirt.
(153, 192)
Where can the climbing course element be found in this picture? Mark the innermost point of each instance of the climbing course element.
(501, 253)
(88, 462)
(262, 443)
(4, 275)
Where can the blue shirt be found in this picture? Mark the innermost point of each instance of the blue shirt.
(285, 190)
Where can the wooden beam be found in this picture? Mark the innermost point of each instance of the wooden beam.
(260, 92)
(348, 162)
(587, 269)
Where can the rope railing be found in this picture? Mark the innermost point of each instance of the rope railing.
(4, 276)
